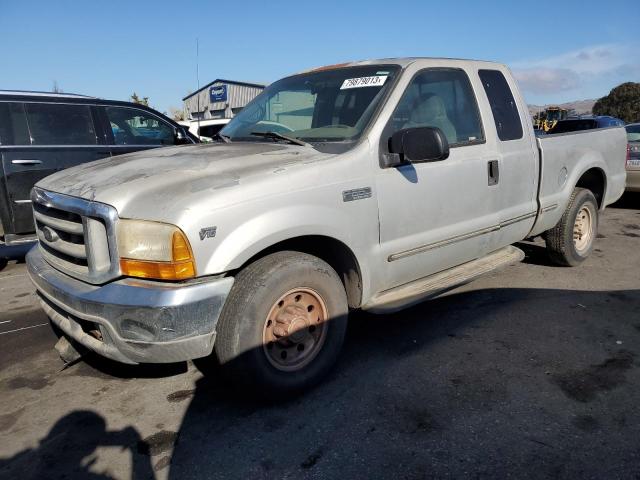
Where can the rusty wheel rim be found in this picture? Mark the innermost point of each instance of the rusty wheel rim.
(295, 329)
(583, 229)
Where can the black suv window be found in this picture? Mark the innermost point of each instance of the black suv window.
(60, 124)
(13, 125)
(503, 106)
(131, 126)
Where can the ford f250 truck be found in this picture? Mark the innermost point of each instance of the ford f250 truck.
(371, 185)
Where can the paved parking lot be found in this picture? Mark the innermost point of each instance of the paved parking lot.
(531, 372)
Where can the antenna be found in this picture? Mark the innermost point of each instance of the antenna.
(198, 80)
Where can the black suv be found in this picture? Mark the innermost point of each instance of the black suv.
(41, 133)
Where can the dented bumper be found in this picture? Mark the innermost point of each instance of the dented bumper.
(129, 320)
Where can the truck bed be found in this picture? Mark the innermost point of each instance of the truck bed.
(565, 157)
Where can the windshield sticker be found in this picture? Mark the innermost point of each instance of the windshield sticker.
(360, 82)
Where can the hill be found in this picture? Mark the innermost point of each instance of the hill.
(580, 106)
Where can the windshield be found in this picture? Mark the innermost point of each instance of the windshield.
(633, 133)
(553, 115)
(321, 106)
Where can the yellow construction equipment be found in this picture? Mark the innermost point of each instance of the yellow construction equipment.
(547, 119)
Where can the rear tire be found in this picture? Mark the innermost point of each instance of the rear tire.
(571, 241)
(283, 324)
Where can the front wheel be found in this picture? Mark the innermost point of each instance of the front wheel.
(283, 324)
(570, 242)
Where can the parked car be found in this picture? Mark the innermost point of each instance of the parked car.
(633, 157)
(41, 133)
(205, 130)
(372, 185)
(585, 123)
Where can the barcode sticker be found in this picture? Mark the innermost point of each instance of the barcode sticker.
(360, 82)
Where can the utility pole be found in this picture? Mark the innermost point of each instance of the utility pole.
(198, 80)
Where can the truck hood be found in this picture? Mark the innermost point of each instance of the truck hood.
(164, 177)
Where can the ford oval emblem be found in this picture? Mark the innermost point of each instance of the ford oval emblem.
(49, 234)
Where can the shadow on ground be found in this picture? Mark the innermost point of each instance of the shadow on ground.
(630, 200)
(13, 253)
(68, 450)
(485, 383)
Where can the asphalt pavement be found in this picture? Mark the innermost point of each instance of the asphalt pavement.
(531, 372)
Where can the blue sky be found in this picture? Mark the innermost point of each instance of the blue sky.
(559, 51)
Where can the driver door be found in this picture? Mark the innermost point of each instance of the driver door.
(436, 215)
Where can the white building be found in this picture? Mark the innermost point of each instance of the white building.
(220, 99)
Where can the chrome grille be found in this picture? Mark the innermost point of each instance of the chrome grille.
(76, 236)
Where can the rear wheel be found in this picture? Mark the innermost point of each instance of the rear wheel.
(570, 242)
(283, 324)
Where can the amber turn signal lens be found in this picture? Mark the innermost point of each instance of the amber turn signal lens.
(180, 247)
(181, 267)
(157, 270)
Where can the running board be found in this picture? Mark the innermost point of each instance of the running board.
(428, 287)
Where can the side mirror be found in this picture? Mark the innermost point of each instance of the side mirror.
(420, 144)
(180, 136)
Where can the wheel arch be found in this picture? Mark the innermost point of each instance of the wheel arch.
(595, 180)
(331, 250)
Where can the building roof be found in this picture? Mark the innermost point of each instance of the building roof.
(222, 80)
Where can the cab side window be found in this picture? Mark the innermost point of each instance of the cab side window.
(13, 124)
(503, 105)
(442, 98)
(131, 126)
(60, 124)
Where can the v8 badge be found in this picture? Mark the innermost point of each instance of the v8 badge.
(208, 232)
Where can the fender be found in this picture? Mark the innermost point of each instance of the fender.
(273, 226)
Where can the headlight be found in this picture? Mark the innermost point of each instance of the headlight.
(154, 250)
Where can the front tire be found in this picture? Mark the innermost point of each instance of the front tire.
(570, 242)
(283, 324)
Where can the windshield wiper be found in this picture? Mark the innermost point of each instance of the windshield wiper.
(224, 138)
(279, 136)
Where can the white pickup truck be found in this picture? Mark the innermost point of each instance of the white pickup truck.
(370, 185)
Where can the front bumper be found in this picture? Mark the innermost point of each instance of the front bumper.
(129, 320)
(633, 181)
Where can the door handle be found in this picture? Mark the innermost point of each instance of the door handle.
(26, 162)
(493, 172)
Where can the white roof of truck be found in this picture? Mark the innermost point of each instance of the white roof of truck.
(403, 62)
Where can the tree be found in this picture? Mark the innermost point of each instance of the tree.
(142, 101)
(176, 113)
(56, 88)
(623, 102)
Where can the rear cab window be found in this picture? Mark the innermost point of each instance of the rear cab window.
(503, 105)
